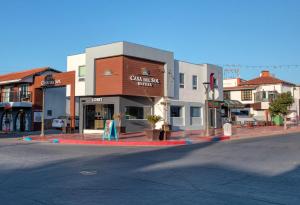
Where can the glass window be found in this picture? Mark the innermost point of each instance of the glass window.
(81, 71)
(132, 113)
(96, 115)
(246, 95)
(226, 95)
(272, 95)
(49, 113)
(23, 90)
(195, 111)
(181, 80)
(176, 111)
(195, 82)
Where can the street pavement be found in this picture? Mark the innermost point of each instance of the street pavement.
(248, 171)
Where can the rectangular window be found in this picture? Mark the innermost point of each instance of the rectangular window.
(176, 111)
(81, 71)
(133, 113)
(49, 113)
(195, 111)
(226, 95)
(195, 82)
(246, 95)
(23, 90)
(181, 80)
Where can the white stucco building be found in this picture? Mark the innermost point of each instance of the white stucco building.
(256, 94)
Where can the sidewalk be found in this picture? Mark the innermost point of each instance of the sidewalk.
(177, 138)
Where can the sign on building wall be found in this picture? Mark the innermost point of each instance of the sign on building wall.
(144, 81)
(50, 81)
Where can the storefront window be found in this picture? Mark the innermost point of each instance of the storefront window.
(132, 113)
(95, 115)
(176, 111)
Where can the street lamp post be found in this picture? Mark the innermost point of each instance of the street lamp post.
(206, 86)
(43, 112)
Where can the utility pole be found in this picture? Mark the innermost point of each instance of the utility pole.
(43, 112)
(213, 112)
(206, 86)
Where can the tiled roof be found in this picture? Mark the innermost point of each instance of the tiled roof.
(23, 74)
(265, 80)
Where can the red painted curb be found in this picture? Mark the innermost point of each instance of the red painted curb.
(215, 138)
(120, 143)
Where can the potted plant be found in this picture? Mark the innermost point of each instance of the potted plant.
(118, 118)
(153, 134)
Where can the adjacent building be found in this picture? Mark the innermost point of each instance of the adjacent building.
(253, 97)
(21, 100)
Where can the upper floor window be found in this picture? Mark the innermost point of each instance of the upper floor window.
(81, 71)
(181, 80)
(23, 89)
(226, 95)
(195, 82)
(246, 95)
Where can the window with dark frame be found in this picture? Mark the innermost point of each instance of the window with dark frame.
(133, 113)
(49, 113)
(246, 95)
(181, 80)
(195, 82)
(176, 111)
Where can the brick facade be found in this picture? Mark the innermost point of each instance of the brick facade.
(114, 76)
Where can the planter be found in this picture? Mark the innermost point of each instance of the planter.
(121, 129)
(152, 134)
(161, 135)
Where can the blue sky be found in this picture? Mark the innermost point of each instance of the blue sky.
(36, 33)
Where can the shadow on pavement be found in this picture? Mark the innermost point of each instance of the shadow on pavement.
(155, 176)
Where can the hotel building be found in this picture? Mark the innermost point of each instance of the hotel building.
(134, 81)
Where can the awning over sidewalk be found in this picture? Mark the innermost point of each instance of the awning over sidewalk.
(233, 104)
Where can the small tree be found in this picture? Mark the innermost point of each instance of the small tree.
(153, 119)
(280, 106)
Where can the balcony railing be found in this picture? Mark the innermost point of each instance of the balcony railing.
(16, 96)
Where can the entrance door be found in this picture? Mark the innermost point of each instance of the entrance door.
(96, 115)
(22, 122)
(7, 121)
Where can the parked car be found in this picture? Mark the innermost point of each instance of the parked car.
(63, 121)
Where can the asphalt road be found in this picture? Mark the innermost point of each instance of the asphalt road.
(253, 171)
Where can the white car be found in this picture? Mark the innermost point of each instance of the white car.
(59, 123)
(63, 121)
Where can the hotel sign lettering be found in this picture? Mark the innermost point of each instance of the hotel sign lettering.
(144, 81)
(50, 81)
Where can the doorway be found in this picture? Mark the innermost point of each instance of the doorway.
(95, 115)
(22, 122)
(7, 121)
